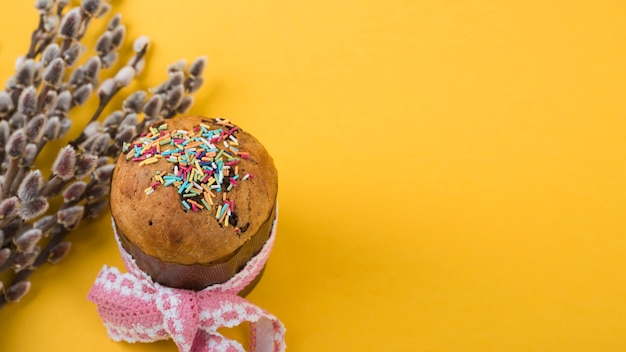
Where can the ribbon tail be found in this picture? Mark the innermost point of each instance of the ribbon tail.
(226, 310)
(206, 341)
(126, 307)
(267, 335)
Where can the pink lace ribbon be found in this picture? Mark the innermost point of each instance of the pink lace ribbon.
(136, 309)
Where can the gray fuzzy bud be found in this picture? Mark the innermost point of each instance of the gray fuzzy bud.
(51, 52)
(88, 144)
(117, 36)
(134, 102)
(98, 191)
(114, 22)
(24, 260)
(43, 6)
(70, 217)
(51, 23)
(51, 131)
(104, 9)
(33, 208)
(6, 103)
(25, 73)
(82, 94)
(124, 76)
(74, 191)
(30, 153)
(113, 120)
(27, 240)
(103, 173)
(9, 207)
(53, 126)
(38, 73)
(5, 253)
(177, 66)
(73, 53)
(92, 68)
(103, 160)
(194, 84)
(103, 44)
(77, 77)
(45, 223)
(50, 100)
(71, 23)
(153, 107)
(175, 96)
(92, 128)
(16, 291)
(90, 7)
(30, 186)
(141, 43)
(125, 135)
(102, 143)
(64, 102)
(85, 165)
(130, 119)
(59, 252)
(97, 144)
(11, 83)
(161, 88)
(185, 105)
(65, 127)
(17, 120)
(34, 127)
(94, 209)
(109, 59)
(176, 78)
(16, 143)
(197, 67)
(4, 133)
(106, 88)
(19, 61)
(65, 162)
(27, 103)
(54, 72)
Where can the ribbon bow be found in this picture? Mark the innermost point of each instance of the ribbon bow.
(136, 309)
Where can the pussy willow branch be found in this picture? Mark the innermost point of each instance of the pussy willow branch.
(105, 99)
(35, 109)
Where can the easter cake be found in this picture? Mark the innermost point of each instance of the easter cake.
(192, 200)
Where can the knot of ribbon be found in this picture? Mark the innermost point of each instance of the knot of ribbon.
(136, 309)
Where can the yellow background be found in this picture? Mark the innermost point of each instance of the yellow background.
(452, 173)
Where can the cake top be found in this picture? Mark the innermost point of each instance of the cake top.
(192, 190)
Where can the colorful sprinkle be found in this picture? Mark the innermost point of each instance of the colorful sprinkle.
(205, 161)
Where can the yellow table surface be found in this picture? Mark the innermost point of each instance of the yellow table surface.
(452, 173)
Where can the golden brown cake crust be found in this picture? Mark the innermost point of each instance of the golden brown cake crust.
(161, 227)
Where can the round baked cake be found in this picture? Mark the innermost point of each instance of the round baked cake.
(193, 199)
